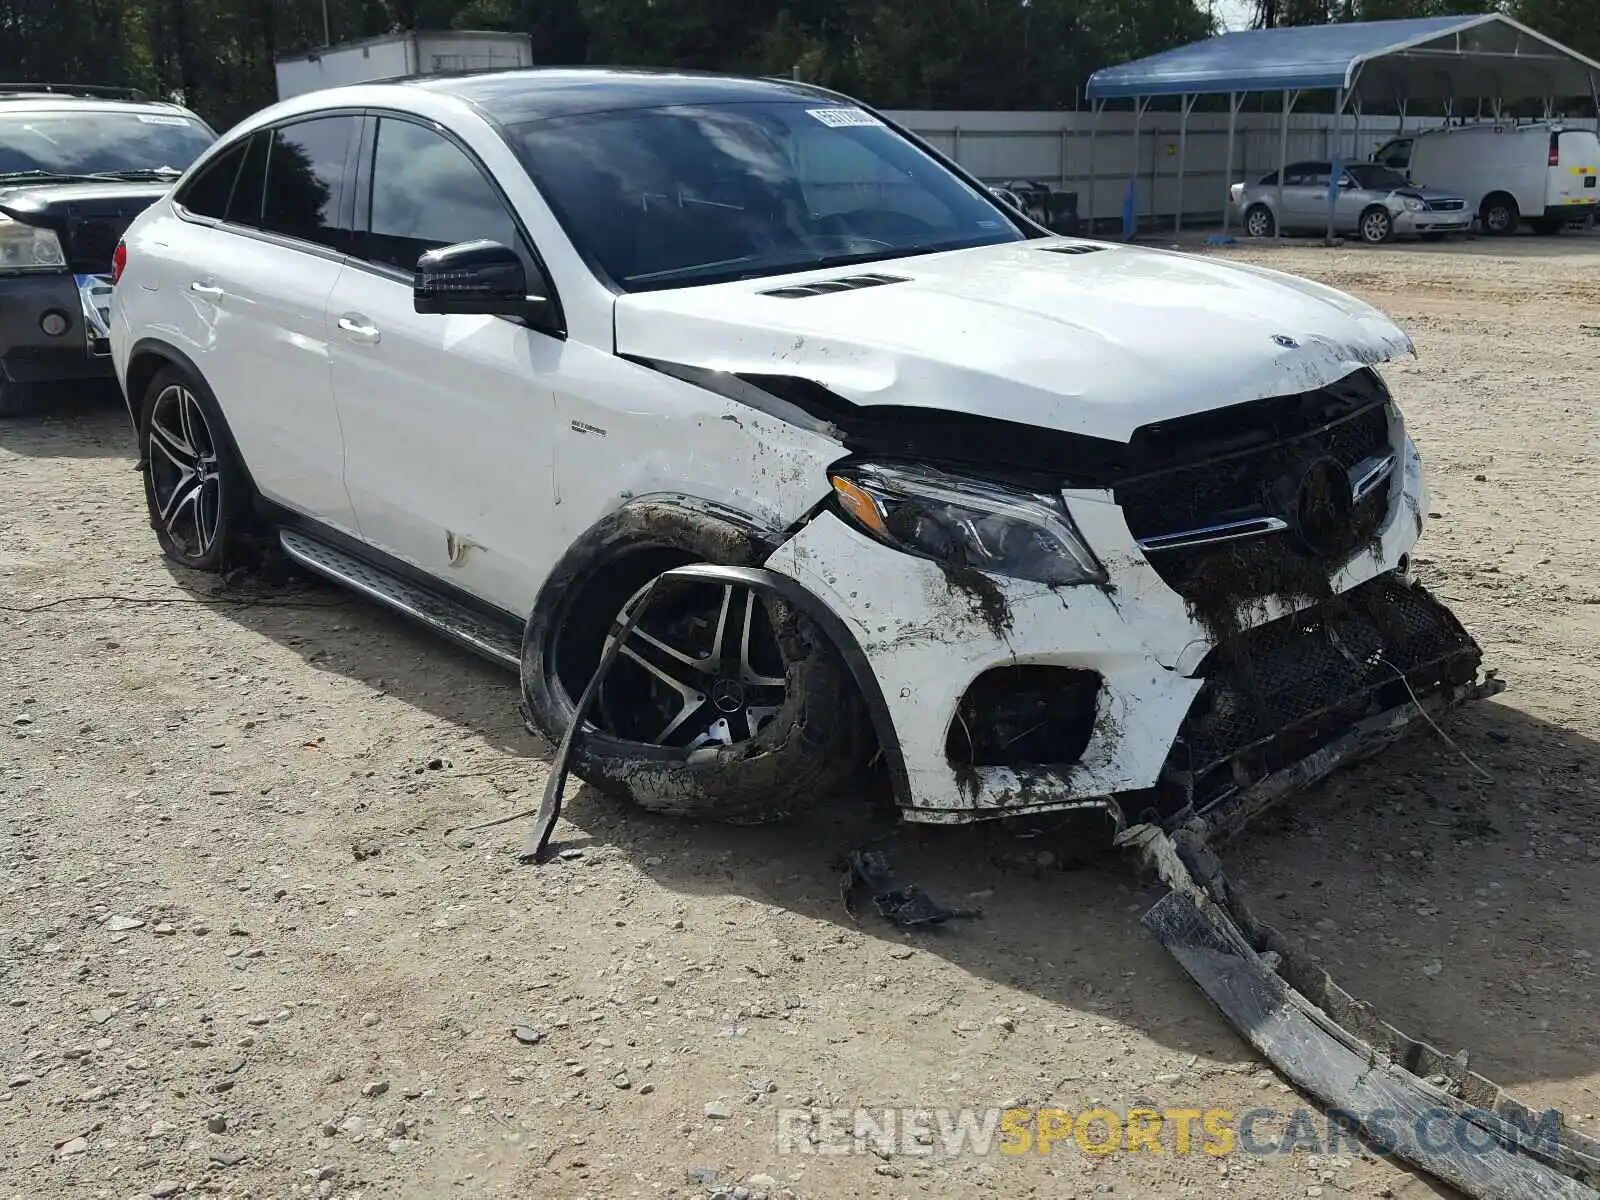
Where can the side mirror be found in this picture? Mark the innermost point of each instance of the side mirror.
(1007, 196)
(481, 278)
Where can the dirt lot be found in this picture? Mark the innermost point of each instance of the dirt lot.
(242, 953)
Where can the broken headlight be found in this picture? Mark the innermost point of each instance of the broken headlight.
(967, 523)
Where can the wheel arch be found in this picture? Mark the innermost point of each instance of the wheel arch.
(145, 361)
(706, 533)
(1374, 207)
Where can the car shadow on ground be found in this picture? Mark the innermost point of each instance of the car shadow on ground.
(1459, 905)
(88, 421)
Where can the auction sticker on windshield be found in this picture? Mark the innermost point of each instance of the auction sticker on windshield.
(844, 118)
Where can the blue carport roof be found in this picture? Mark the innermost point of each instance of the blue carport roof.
(1299, 58)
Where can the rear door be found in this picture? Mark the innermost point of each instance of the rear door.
(1574, 168)
(1305, 195)
(251, 267)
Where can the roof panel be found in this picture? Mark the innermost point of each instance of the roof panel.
(1303, 58)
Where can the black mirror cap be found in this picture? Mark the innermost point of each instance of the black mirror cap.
(480, 277)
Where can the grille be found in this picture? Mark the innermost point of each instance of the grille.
(1447, 205)
(1287, 687)
(1252, 483)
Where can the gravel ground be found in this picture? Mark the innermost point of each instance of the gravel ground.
(245, 949)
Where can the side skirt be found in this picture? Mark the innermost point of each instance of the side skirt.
(497, 637)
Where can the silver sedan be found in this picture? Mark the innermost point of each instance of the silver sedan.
(1374, 202)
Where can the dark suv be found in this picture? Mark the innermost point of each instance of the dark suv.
(77, 164)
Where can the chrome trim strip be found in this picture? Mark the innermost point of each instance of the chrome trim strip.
(94, 293)
(1367, 475)
(1232, 530)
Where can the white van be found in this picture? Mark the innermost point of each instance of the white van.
(1540, 173)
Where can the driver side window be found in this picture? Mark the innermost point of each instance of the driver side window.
(426, 193)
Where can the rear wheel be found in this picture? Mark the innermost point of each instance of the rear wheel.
(1376, 226)
(195, 487)
(1499, 215)
(1259, 221)
(722, 703)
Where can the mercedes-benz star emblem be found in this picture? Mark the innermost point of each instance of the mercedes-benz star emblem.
(728, 695)
(1323, 506)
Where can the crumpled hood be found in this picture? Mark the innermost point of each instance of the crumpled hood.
(1097, 343)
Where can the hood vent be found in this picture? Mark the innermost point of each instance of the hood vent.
(1084, 249)
(822, 287)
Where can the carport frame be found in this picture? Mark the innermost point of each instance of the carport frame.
(1334, 58)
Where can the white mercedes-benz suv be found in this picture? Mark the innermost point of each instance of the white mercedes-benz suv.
(1042, 523)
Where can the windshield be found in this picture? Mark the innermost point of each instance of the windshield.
(667, 197)
(95, 143)
(1371, 175)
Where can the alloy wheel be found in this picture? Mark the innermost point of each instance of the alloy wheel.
(1375, 227)
(1259, 223)
(705, 668)
(185, 476)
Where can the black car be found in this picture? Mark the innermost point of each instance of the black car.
(77, 164)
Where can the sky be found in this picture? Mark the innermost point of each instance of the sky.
(1234, 14)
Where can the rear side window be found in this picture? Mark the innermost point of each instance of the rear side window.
(307, 171)
(208, 193)
(427, 193)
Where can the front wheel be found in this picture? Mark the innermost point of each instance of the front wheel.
(194, 485)
(1377, 226)
(723, 703)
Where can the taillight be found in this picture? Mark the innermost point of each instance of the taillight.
(1555, 151)
(119, 261)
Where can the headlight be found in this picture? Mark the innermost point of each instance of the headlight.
(967, 523)
(1414, 205)
(29, 248)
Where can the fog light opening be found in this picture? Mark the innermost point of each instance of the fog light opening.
(1024, 716)
(54, 323)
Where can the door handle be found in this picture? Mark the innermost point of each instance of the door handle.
(209, 291)
(358, 329)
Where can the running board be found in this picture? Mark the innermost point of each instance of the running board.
(499, 642)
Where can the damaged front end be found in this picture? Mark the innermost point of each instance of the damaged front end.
(1212, 616)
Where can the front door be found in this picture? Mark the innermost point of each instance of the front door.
(447, 419)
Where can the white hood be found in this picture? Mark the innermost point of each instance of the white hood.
(1097, 344)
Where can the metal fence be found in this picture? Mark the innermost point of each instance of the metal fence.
(1064, 151)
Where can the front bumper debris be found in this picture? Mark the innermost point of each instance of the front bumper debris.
(1288, 702)
(1436, 1113)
